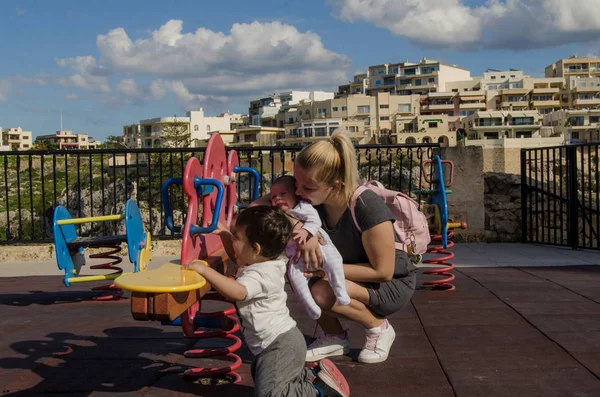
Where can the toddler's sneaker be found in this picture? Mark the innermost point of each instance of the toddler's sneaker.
(327, 346)
(378, 344)
(329, 380)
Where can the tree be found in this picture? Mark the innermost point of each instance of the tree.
(44, 145)
(113, 142)
(176, 134)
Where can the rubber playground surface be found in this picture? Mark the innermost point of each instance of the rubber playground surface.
(504, 331)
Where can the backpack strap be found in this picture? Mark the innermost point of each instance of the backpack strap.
(355, 196)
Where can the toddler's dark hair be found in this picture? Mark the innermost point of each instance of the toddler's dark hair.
(267, 226)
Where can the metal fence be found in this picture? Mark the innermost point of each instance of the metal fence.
(560, 196)
(99, 182)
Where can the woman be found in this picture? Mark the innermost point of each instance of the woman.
(379, 279)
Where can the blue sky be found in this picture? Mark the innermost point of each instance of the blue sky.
(111, 63)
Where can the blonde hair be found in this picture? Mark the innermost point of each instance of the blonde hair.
(329, 166)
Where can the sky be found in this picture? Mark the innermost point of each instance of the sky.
(106, 64)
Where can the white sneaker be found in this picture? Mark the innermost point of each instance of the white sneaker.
(377, 346)
(327, 346)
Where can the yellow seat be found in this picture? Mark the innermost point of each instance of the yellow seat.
(169, 278)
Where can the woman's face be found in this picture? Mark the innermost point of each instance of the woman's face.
(310, 190)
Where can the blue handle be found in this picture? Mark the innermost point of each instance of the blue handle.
(256, 179)
(200, 185)
(164, 189)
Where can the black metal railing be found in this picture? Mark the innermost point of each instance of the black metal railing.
(560, 196)
(98, 182)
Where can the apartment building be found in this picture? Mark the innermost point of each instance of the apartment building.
(405, 78)
(424, 129)
(574, 67)
(196, 122)
(132, 136)
(16, 139)
(255, 136)
(576, 125)
(67, 140)
(365, 118)
(264, 111)
(514, 128)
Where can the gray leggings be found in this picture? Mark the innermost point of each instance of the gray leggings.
(279, 369)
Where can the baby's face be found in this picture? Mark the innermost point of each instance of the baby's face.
(283, 197)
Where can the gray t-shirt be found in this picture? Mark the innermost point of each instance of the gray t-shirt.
(370, 211)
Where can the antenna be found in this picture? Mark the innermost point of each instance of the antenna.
(61, 123)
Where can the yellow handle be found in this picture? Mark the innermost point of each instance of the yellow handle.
(100, 277)
(104, 218)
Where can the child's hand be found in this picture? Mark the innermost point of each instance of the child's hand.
(197, 266)
(300, 236)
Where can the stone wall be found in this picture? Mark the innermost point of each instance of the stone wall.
(502, 160)
(502, 206)
(467, 198)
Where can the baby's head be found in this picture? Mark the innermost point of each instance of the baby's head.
(283, 193)
(261, 233)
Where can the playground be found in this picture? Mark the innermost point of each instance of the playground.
(527, 326)
(504, 331)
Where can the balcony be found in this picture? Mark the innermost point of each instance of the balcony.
(514, 105)
(587, 102)
(515, 91)
(473, 95)
(587, 89)
(445, 106)
(473, 105)
(552, 103)
(551, 90)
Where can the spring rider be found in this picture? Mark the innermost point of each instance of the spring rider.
(173, 295)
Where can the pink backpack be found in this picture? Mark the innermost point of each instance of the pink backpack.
(411, 224)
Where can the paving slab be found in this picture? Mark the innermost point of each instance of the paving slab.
(505, 331)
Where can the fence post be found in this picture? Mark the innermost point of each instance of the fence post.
(573, 200)
(524, 192)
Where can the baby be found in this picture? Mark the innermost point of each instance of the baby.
(283, 196)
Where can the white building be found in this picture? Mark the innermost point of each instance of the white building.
(199, 125)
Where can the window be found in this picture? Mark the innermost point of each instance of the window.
(320, 131)
(405, 81)
(307, 112)
(344, 108)
(334, 109)
(404, 108)
(377, 82)
(380, 71)
(431, 80)
(364, 109)
(417, 81)
(384, 106)
(502, 77)
(492, 87)
(331, 130)
(196, 127)
(395, 70)
(384, 118)
(493, 77)
(432, 124)
(208, 127)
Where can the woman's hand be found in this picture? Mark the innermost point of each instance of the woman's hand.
(310, 251)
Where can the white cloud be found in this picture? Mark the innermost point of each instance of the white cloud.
(88, 76)
(208, 66)
(71, 96)
(510, 24)
(128, 88)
